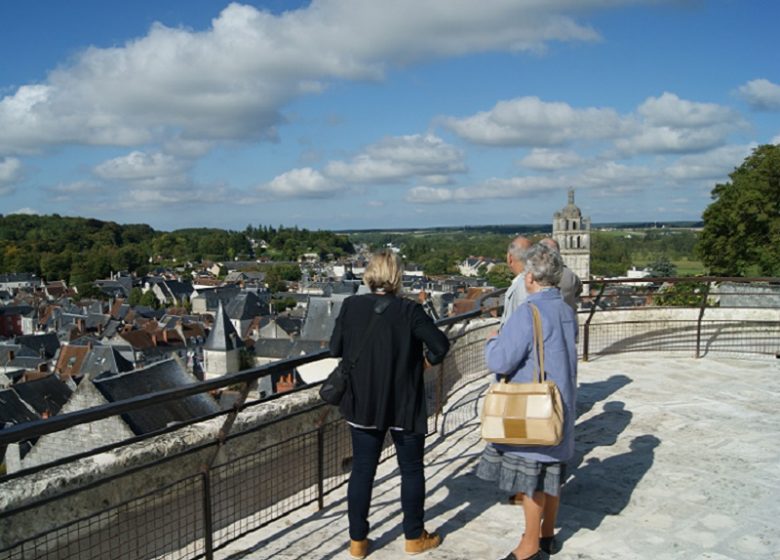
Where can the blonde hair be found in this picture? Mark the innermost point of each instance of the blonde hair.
(384, 272)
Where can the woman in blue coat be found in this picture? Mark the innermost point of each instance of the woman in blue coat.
(537, 472)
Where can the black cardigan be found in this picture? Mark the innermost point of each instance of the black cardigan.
(387, 386)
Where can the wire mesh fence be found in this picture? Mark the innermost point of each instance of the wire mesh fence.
(269, 471)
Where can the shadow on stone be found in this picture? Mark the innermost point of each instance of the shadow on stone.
(603, 487)
(588, 394)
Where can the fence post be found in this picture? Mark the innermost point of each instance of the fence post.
(321, 467)
(208, 524)
(702, 307)
(586, 330)
(321, 457)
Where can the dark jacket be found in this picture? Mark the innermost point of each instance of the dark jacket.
(386, 386)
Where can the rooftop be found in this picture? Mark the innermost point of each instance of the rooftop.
(677, 458)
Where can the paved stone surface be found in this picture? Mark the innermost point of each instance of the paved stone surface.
(677, 459)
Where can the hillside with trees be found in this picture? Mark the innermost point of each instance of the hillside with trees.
(81, 250)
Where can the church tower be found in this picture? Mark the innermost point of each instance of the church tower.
(221, 352)
(572, 232)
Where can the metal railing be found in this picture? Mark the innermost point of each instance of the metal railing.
(194, 501)
(739, 315)
(195, 498)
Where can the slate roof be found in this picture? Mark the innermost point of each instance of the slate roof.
(321, 316)
(46, 395)
(223, 335)
(45, 344)
(13, 410)
(302, 347)
(23, 310)
(246, 306)
(156, 377)
(277, 348)
(103, 359)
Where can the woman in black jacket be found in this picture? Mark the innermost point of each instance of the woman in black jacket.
(386, 392)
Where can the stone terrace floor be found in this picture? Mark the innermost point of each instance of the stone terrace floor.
(677, 459)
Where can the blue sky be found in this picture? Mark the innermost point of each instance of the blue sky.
(351, 114)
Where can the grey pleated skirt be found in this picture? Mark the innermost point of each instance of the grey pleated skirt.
(515, 473)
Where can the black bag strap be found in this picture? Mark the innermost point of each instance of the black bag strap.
(379, 308)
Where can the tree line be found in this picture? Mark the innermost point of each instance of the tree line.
(81, 250)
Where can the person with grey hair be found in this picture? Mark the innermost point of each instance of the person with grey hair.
(536, 472)
(570, 284)
(515, 294)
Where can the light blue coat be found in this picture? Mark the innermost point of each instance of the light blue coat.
(510, 353)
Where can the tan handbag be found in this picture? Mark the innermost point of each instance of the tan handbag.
(525, 413)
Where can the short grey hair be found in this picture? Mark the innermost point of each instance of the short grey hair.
(518, 248)
(551, 243)
(544, 264)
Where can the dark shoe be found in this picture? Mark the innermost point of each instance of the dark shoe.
(424, 542)
(535, 556)
(549, 545)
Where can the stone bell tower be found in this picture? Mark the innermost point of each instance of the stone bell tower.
(572, 232)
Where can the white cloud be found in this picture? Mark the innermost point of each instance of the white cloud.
(27, 210)
(611, 177)
(302, 183)
(761, 94)
(400, 158)
(715, 164)
(155, 170)
(231, 81)
(10, 173)
(543, 159)
(529, 121)
(494, 188)
(668, 124)
(669, 110)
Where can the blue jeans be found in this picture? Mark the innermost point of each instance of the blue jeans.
(366, 448)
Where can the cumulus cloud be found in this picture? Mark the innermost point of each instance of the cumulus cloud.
(494, 188)
(543, 159)
(714, 165)
(668, 124)
(155, 170)
(529, 121)
(232, 80)
(302, 183)
(761, 95)
(608, 176)
(400, 158)
(27, 210)
(10, 173)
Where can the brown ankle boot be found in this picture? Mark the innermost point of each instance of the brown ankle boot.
(424, 542)
(358, 549)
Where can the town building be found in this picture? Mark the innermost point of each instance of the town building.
(572, 232)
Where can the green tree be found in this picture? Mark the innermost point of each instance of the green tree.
(663, 268)
(136, 294)
(500, 276)
(741, 232)
(150, 300)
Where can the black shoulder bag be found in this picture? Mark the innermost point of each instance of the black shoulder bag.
(333, 388)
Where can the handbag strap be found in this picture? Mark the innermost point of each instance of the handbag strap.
(379, 308)
(539, 374)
